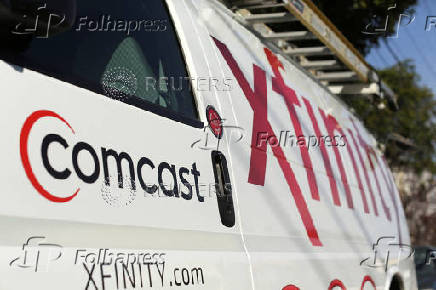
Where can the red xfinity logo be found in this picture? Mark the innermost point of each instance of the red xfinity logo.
(257, 97)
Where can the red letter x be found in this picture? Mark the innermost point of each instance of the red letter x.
(258, 102)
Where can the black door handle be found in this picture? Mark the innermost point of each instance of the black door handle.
(223, 188)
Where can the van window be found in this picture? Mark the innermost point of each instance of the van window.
(126, 50)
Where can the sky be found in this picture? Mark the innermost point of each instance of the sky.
(412, 42)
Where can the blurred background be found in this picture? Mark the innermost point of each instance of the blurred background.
(399, 40)
(403, 51)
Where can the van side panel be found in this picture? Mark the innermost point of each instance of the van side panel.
(316, 196)
(100, 224)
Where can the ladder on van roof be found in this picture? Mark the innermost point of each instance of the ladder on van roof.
(301, 31)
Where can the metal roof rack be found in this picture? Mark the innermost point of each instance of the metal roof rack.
(305, 34)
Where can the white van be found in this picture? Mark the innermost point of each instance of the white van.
(160, 144)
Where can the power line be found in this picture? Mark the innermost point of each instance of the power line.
(398, 49)
(391, 51)
(424, 57)
(378, 61)
(381, 57)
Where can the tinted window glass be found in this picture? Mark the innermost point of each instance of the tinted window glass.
(127, 50)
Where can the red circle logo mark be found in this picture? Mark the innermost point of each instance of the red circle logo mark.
(24, 138)
(215, 121)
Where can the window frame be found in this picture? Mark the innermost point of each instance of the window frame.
(129, 99)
